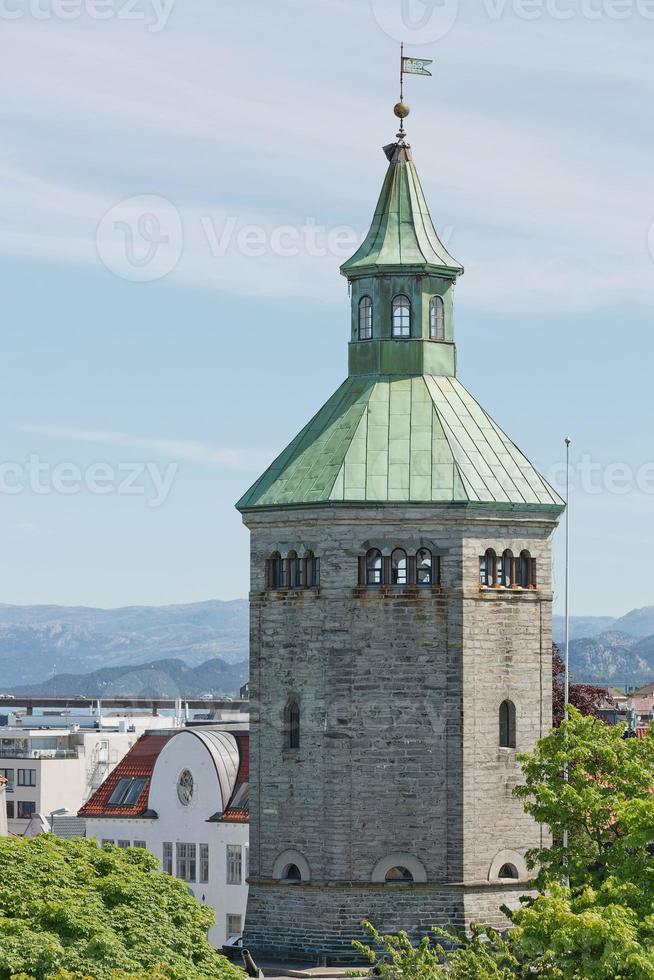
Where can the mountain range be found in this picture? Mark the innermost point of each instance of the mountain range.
(161, 678)
(38, 642)
(202, 647)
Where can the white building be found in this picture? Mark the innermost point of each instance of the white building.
(3, 806)
(54, 763)
(184, 796)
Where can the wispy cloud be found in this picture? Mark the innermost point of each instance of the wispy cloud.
(196, 452)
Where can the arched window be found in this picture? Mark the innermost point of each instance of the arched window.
(509, 872)
(294, 571)
(312, 570)
(374, 567)
(488, 568)
(506, 577)
(424, 567)
(291, 873)
(401, 317)
(398, 567)
(507, 725)
(365, 318)
(276, 571)
(399, 874)
(525, 577)
(436, 318)
(292, 724)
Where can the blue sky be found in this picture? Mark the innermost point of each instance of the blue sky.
(253, 129)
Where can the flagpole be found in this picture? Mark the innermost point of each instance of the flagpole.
(401, 71)
(566, 676)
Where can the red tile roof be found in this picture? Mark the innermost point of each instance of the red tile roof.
(139, 762)
(237, 810)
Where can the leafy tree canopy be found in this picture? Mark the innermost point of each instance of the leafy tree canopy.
(586, 698)
(71, 909)
(593, 918)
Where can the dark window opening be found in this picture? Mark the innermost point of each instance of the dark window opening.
(399, 874)
(292, 873)
(509, 871)
(374, 567)
(424, 567)
(488, 569)
(507, 725)
(292, 725)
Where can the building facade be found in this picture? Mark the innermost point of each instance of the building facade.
(54, 764)
(184, 796)
(400, 626)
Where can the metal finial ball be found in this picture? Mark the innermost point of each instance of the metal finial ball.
(401, 110)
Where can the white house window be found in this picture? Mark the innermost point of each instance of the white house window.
(123, 843)
(234, 864)
(140, 843)
(436, 318)
(186, 862)
(26, 809)
(401, 326)
(204, 862)
(167, 858)
(27, 777)
(365, 318)
(107, 840)
(185, 787)
(234, 925)
(9, 776)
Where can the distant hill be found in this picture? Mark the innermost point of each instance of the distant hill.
(162, 678)
(613, 658)
(39, 641)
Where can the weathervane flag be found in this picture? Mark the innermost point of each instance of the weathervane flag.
(416, 66)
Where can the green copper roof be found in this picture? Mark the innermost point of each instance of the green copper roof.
(406, 440)
(402, 236)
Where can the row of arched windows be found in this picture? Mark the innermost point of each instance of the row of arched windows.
(399, 569)
(397, 868)
(401, 318)
(293, 572)
(507, 571)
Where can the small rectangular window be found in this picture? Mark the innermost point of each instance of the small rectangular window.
(27, 777)
(26, 809)
(167, 863)
(107, 840)
(186, 862)
(140, 843)
(123, 843)
(10, 809)
(234, 927)
(9, 776)
(204, 862)
(234, 864)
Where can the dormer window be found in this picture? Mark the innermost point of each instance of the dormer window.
(436, 318)
(365, 318)
(401, 326)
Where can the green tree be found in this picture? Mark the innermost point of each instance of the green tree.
(71, 909)
(593, 918)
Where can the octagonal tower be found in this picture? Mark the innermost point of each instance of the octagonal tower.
(400, 626)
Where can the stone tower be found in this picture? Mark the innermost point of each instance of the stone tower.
(400, 626)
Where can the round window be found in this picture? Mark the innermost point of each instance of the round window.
(185, 786)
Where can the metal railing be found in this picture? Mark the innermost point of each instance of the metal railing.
(6, 753)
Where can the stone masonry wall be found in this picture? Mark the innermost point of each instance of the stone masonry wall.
(399, 691)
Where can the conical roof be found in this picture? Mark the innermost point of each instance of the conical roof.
(402, 237)
(416, 440)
